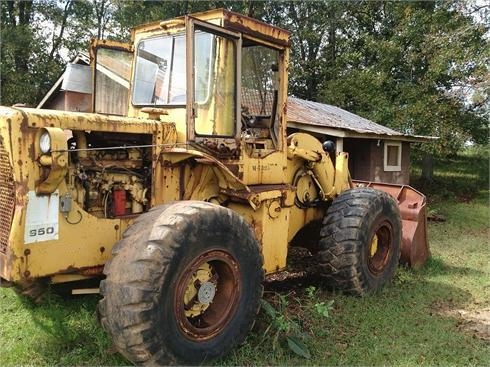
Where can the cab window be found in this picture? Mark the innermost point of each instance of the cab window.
(160, 71)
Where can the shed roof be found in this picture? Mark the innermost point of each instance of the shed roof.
(334, 121)
(81, 59)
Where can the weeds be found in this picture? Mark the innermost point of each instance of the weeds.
(283, 327)
(285, 321)
(324, 308)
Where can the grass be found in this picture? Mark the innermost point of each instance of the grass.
(416, 321)
(58, 332)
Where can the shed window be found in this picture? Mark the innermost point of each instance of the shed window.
(393, 156)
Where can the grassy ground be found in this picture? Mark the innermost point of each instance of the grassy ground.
(437, 315)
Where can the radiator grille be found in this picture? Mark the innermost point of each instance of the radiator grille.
(7, 197)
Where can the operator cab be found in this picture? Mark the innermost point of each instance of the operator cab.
(219, 76)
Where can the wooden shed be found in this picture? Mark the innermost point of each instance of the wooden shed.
(376, 153)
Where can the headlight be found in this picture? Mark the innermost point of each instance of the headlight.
(45, 142)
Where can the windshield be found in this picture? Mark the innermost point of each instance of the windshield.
(160, 71)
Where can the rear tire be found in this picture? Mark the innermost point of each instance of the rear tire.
(360, 241)
(184, 285)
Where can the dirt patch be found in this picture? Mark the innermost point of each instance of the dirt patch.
(475, 322)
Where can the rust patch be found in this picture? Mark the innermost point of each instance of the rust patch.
(7, 198)
(263, 30)
(234, 168)
(239, 194)
(88, 271)
(181, 181)
(94, 270)
(257, 227)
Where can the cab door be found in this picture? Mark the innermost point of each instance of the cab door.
(213, 113)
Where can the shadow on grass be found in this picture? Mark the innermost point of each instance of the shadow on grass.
(436, 266)
(460, 178)
(400, 324)
(70, 333)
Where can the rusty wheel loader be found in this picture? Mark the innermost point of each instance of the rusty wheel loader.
(183, 190)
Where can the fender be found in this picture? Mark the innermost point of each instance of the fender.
(228, 182)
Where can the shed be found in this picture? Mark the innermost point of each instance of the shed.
(73, 90)
(376, 153)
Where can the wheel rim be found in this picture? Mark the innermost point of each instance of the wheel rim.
(380, 248)
(207, 293)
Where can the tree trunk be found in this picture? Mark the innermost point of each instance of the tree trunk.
(427, 168)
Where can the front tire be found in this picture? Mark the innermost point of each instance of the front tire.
(360, 241)
(184, 285)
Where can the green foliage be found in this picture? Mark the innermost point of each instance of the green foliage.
(461, 177)
(283, 327)
(324, 308)
(23, 70)
(298, 346)
(419, 67)
(38, 36)
(310, 291)
(412, 66)
(285, 314)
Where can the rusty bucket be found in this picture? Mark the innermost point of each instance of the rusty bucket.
(412, 204)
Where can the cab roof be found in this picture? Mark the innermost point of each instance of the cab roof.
(230, 20)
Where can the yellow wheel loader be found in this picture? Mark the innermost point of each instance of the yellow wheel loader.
(182, 191)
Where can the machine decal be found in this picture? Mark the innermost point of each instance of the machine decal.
(42, 217)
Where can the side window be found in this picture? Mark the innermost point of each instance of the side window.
(160, 77)
(113, 72)
(259, 79)
(259, 94)
(177, 93)
(203, 66)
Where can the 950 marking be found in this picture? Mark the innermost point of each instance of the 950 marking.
(41, 231)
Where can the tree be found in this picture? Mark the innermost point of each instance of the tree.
(40, 36)
(134, 12)
(406, 65)
(418, 67)
(17, 48)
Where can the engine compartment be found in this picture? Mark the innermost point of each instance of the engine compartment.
(110, 173)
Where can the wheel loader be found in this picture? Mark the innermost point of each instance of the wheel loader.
(182, 190)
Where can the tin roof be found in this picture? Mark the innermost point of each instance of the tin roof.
(80, 59)
(330, 120)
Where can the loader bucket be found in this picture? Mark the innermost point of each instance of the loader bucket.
(412, 204)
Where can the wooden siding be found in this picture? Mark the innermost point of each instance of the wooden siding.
(366, 161)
